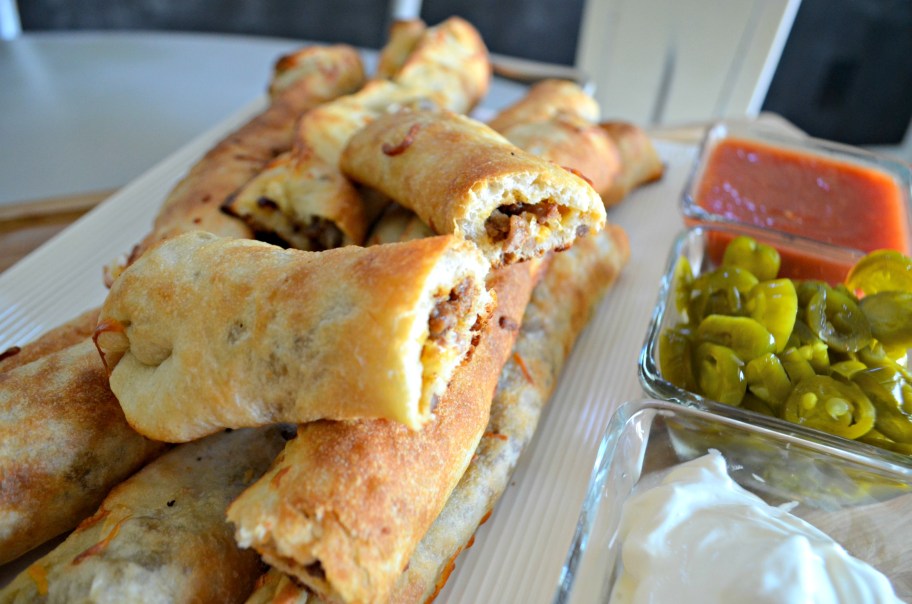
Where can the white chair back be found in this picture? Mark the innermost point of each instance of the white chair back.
(674, 61)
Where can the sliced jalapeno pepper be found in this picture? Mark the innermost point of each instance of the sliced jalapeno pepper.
(848, 368)
(747, 253)
(719, 373)
(719, 292)
(807, 289)
(796, 364)
(838, 321)
(824, 403)
(675, 358)
(747, 337)
(775, 305)
(885, 389)
(890, 316)
(767, 380)
(681, 283)
(880, 271)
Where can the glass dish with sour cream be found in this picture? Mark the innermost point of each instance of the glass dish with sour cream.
(862, 503)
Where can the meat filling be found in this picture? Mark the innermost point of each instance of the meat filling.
(452, 333)
(322, 233)
(447, 311)
(511, 224)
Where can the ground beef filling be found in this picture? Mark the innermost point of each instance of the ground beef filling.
(316, 234)
(446, 313)
(323, 234)
(511, 224)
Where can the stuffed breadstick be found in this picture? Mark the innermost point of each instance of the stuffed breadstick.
(161, 536)
(63, 444)
(345, 503)
(561, 305)
(404, 36)
(301, 81)
(204, 333)
(640, 162)
(558, 121)
(545, 101)
(461, 177)
(571, 141)
(445, 66)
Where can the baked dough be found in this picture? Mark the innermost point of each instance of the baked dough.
(161, 536)
(560, 307)
(640, 162)
(444, 66)
(346, 503)
(301, 81)
(204, 333)
(64, 443)
(543, 102)
(459, 176)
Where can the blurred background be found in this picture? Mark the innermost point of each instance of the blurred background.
(839, 69)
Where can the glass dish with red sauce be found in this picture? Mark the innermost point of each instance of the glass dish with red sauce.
(762, 176)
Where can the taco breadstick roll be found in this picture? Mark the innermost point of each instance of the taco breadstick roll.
(461, 177)
(161, 536)
(571, 142)
(301, 81)
(545, 101)
(561, 305)
(64, 443)
(329, 210)
(404, 35)
(205, 333)
(640, 162)
(345, 503)
(559, 309)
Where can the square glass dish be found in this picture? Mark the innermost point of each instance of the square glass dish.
(863, 503)
(751, 173)
(702, 247)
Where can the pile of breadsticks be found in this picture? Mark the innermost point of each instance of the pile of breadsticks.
(315, 375)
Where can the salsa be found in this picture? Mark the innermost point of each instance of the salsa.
(808, 195)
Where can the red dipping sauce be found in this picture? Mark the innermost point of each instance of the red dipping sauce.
(812, 196)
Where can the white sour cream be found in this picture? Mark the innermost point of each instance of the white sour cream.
(699, 537)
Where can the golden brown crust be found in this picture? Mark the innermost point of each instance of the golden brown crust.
(161, 535)
(204, 333)
(63, 444)
(560, 307)
(444, 66)
(571, 142)
(640, 163)
(398, 224)
(450, 64)
(404, 35)
(546, 100)
(319, 74)
(331, 211)
(63, 336)
(345, 504)
(459, 176)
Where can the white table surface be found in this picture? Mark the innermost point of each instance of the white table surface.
(82, 112)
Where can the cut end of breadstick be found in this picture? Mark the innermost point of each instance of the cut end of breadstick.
(525, 215)
(457, 305)
(302, 204)
(460, 176)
